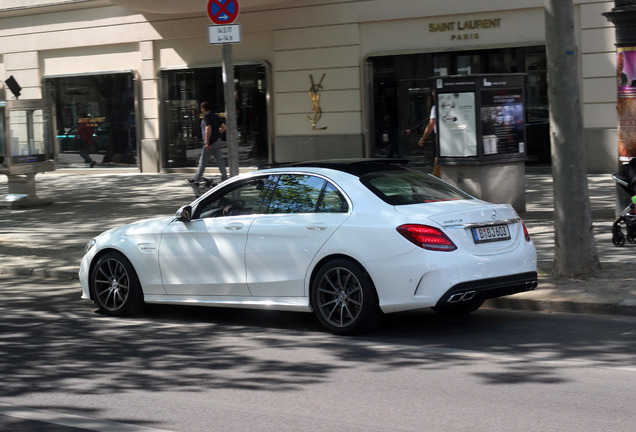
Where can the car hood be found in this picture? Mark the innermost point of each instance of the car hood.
(146, 226)
(460, 212)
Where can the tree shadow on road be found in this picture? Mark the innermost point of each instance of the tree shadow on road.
(53, 340)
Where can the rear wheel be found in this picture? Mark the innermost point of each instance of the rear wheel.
(344, 298)
(115, 286)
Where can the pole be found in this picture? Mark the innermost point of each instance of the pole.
(230, 109)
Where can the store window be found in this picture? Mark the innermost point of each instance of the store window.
(184, 90)
(3, 129)
(96, 122)
(403, 96)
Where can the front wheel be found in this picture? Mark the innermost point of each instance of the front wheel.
(115, 286)
(344, 298)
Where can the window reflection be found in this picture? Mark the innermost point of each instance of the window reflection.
(403, 97)
(183, 91)
(95, 118)
(240, 200)
(306, 194)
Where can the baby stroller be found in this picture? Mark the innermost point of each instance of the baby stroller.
(626, 178)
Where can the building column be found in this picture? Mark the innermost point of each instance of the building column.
(149, 123)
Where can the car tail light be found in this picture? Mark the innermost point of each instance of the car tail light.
(525, 231)
(427, 237)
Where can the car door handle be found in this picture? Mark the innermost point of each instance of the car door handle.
(234, 226)
(317, 227)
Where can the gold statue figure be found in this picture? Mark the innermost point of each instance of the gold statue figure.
(315, 101)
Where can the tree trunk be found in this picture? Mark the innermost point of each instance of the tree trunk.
(575, 249)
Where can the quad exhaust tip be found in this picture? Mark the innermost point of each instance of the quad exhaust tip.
(469, 295)
(460, 297)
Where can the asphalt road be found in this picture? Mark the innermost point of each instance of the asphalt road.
(65, 368)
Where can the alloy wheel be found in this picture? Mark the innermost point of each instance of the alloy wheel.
(340, 297)
(112, 284)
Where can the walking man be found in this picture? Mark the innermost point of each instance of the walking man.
(211, 130)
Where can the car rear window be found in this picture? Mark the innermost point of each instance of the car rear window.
(407, 186)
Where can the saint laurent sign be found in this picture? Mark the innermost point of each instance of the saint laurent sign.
(464, 29)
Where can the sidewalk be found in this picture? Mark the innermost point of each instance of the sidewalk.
(49, 241)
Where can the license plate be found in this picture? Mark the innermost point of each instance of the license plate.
(491, 233)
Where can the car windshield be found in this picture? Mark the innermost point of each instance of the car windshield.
(406, 186)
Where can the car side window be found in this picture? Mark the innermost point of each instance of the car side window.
(332, 201)
(298, 193)
(242, 199)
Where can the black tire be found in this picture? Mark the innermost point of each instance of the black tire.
(115, 286)
(344, 298)
(618, 239)
(458, 309)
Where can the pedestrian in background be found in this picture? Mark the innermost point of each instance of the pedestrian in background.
(431, 129)
(211, 130)
(85, 132)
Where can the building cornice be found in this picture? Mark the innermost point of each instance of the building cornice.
(47, 6)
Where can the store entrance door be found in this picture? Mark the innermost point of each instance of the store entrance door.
(182, 93)
(96, 124)
(402, 97)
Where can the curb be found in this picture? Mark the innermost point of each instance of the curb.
(59, 274)
(624, 307)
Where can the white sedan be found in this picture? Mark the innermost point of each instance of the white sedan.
(349, 240)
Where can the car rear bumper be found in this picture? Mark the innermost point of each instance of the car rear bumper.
(489, 288)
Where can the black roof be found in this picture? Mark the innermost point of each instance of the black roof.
(355, 166)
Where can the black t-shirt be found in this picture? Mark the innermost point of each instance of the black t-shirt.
(213, 120)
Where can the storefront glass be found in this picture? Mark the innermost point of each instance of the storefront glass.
(96, 122)
(403, 97)
(3, 129)
(184, 90)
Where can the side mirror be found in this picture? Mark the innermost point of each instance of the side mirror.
(184, 214)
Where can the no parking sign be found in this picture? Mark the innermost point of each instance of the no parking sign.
(223, 11)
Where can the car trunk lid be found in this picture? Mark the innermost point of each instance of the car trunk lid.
(474, 225)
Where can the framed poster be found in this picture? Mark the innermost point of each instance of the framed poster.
(626, 106)
(456, 124)
(502, 121)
